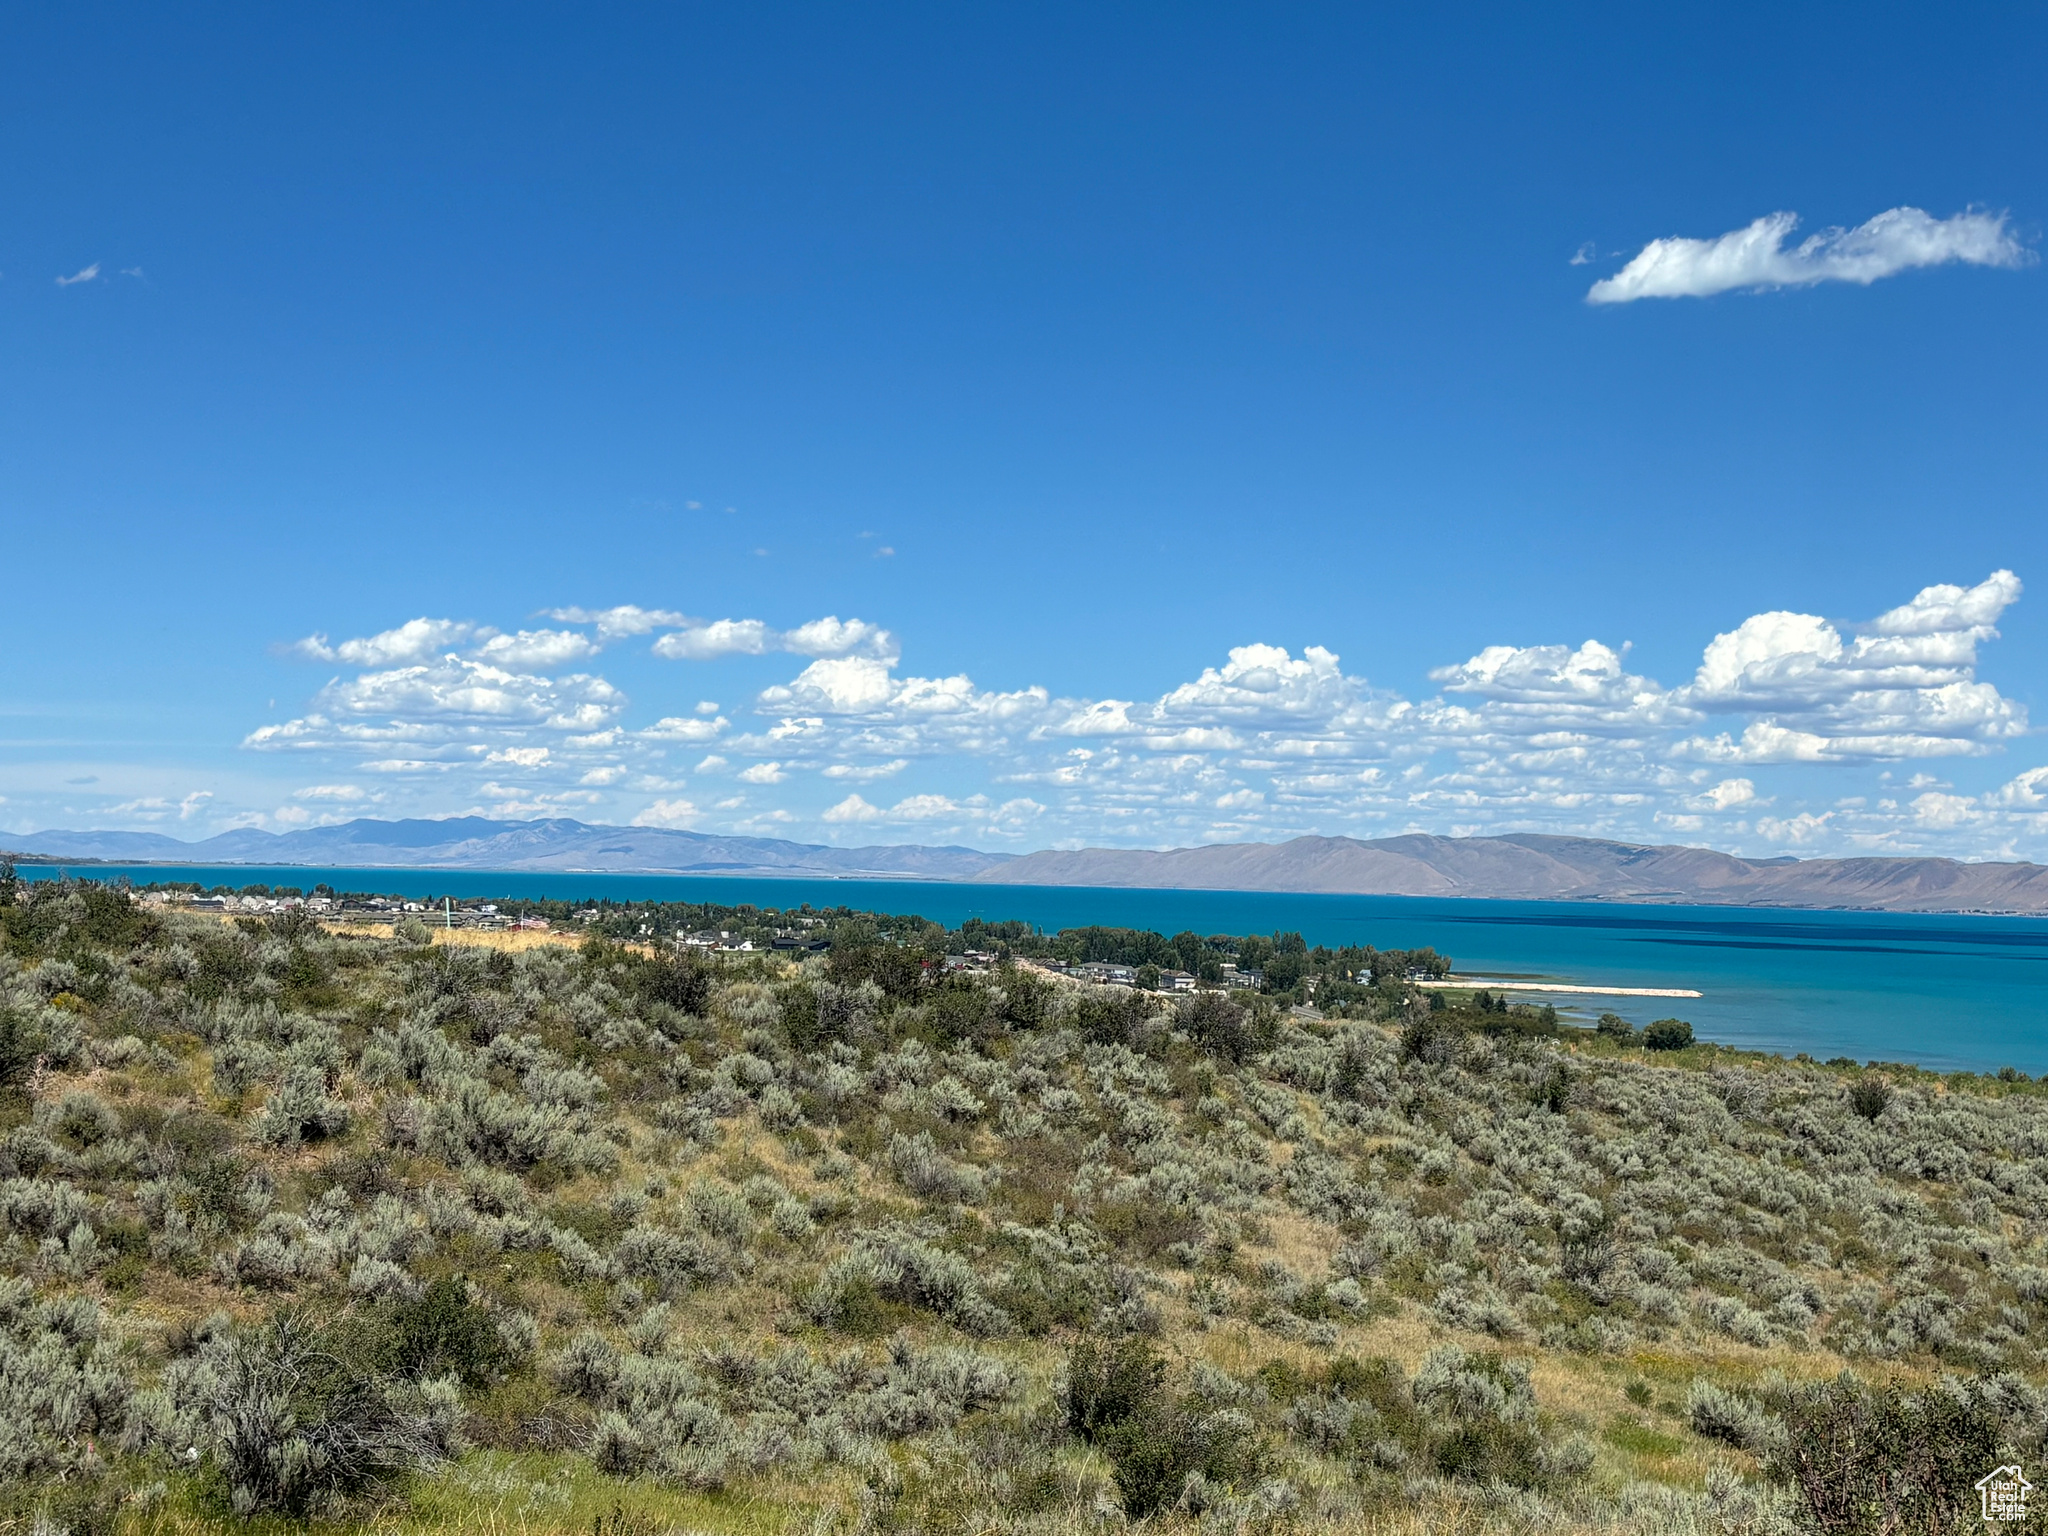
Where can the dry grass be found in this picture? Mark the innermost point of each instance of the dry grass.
(512, 940)
(509, 1504)
(1300, 1242)
(498, 1494)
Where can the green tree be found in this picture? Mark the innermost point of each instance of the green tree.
(1667, 1035)
(1612, 1026)
(1284, 971)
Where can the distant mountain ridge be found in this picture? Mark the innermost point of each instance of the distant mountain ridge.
(1533, 867)
(476, 842)
(1517, 867)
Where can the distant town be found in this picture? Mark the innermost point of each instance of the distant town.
(1281, 965)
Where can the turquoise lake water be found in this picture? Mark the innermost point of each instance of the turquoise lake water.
(1947, 992)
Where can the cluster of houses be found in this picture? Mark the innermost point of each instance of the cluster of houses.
(1106, 973)
(485, 915)
(370, 909)
(724, 941)
(320, 906)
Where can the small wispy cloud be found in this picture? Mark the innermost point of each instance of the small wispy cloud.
(1756, 257)
(677, 815)
(624, 620)
(867, 770)
(82, 275)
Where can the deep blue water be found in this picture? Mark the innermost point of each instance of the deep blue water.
(1948, 992)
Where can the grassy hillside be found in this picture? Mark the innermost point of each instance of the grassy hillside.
(302, 1225)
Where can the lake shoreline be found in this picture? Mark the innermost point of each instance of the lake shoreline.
(1949, 991)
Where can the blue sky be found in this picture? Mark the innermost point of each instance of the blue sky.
(1193, 418)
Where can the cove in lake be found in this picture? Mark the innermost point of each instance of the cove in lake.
(1948, 992)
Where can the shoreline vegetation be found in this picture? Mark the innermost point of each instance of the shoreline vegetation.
(668, 1216)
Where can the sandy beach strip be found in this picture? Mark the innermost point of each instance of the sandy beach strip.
(1463, 982)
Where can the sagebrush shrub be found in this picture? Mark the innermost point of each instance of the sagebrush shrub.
(296, 1416)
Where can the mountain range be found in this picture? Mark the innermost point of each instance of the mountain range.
(1522, 866)
(1532, 867)
(476, 842)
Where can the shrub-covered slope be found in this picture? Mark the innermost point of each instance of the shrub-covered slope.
(328, 1225)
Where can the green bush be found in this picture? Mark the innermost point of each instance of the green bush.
(1667, 1035)
(1108, 1383)
(1868, 1096)
(1117, 1400)
(444, 1333)
(1865, 1462)
(1432, 1038)
(961, 1008)
(682, 983)
(1155, 1454)
(1220, 1025)
(19, 1047)
(1112, 1015)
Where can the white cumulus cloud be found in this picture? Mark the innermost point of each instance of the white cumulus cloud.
(413, 640)
(448, 701)
(536, 649)
(830, 636)
(682, 728)
(1756, 256)
(725, 637)
(1728, 795)
(1905, 688)
(1582, 689)
(673, 814)
(1267, 743)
